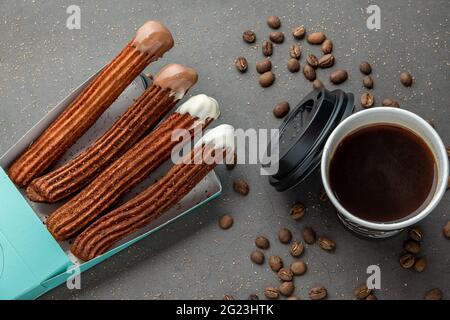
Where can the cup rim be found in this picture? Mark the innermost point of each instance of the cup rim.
(386, 226)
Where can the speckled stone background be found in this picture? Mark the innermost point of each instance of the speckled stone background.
(41, 61)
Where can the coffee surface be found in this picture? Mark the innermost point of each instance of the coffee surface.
(383, 173)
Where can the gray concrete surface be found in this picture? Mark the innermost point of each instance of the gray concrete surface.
(41, 61)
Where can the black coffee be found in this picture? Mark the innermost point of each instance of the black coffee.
(383, 173)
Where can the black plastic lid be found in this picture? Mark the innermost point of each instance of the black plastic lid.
(304, 132)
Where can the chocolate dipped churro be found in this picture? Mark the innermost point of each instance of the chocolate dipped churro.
(152, 40)
(170, 85)
(158, 198)
(131, 168)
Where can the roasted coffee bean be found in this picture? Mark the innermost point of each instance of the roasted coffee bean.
(318, 293)
(228, 297)
(434, 294)
(371, 297)
(297, 211)
(263, 66)
(284, 235)
(262, 242)
(420, 264)
(323, 197)
(407, 261)
(286, 288)
(317, 84)
(412, 246)
(406, 79)
(231, 163)
(368, 82)
(312, 60)
(309, 235)
(281, 109)
(316, 38)
(275, 263)
(367, 100)
(285, 274)
(365, 67)
(362, 292)
(295, 51)
(293, 65)
(296, 249)
(338, 76)
(326, 61)
(298, 268)
(271, 293)
(273, 22)
(267, 48)
(448, 152)
(241, 187)
(249, 36)
(448, 183)
(226, 221)
(266, 79)
(253, 297)
(241, 64)
(299, 32)
(326, 244)
(388, 102)
(276, 36)
(293, 298)
(309, 72)
(327, 46)
(446, 228)
(257, 257)
(415, 234)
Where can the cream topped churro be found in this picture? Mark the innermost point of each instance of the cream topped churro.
(170, 85)
(152, 40)
(130, 169)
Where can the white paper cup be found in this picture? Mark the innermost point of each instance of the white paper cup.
(385, 115)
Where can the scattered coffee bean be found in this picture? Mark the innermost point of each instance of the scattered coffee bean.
(312, 60)
(362, 292)
(249, 36)
(448, 152)
(327, 46)
(318, 293)
(284, 235)
(241, 187)
(309, 72)
(316, 38)
(286, 288)
(273, 22)
(266, 79)
(434, 294)
(296, 249)
(448, 183)
(367, 100)
(295, 51)
(420, 264)
(297, 211)
(293, 298)
(281, 109)
(365, 67)
(327, 244)
(285, 274)
(298, 268)
(293, 65)
(406, 79)
(326, 61)
(226, 221)
(299, 32)
(263, 66)
(241, 64)
(388, 102)
(368, 82)
(317, 84)
(262, 242)
(415, 234)
(412, 246)
(338, 76)
(446, 228)
(407, 261)
(276, 36)
(267, 48)
(231, 163)
(271, 293)
(309, 235)
(257, 257)
(323, 197)
(371, 297)
(253, 297)
(275, 263)
(228, 297)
